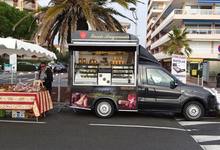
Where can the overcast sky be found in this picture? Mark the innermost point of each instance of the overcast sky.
(141, 25)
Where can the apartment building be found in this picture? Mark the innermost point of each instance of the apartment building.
(155, 8)
(202, 20)
(29, 5)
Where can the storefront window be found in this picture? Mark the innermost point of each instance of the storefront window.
(104, 67)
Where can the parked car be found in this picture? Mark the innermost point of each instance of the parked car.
(59, 67)
(26, 66)
(217, 95)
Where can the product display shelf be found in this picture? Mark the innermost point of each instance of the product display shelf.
(123, 70)
(87, 73)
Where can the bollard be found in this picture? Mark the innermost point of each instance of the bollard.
(59, 84)
(202, 81)
(35, 75)
(12, 78)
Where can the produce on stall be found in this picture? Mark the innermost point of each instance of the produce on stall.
(25, 100)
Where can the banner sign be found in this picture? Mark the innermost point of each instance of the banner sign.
(13, 62)
(8, 68)
(178, 68)
(99, 35)
(208, 1)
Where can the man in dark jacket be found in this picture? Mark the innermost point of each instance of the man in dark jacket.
(46, 75)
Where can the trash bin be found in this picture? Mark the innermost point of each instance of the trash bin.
(218, 80)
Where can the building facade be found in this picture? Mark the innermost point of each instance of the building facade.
(201, 18)
(30, 5)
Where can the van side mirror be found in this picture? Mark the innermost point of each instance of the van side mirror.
(173, 84)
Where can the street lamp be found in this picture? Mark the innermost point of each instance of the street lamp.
(134, 14)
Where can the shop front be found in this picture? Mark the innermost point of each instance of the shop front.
(103, 65)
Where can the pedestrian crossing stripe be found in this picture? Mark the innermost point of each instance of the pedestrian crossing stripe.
(205, 138)
(191, 123)
(210, 147)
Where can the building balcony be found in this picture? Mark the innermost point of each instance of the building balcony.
(154, 12)
(148, 34)
(151, 22)
(197, 12)
(160, 41)
(157, 1)
(148, 43)
(180, 14)
(193, 35)
(203, 34)
(161, 55)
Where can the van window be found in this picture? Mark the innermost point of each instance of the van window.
(158, 77)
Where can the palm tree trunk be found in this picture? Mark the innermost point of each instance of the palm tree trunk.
(82, 24)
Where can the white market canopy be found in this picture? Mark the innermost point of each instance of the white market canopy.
(14, 46)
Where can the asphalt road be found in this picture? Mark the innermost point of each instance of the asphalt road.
(83, 131)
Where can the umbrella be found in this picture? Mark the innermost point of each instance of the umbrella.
(14, 46)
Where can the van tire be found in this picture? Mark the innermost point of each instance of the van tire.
(104, 108)
(193, 110)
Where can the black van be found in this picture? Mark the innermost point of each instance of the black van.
(110, 72)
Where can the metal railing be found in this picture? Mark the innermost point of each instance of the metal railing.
(197, 11)
(202, 31)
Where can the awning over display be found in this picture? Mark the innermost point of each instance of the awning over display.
(146, 57)
(13, 46)
(102, 39)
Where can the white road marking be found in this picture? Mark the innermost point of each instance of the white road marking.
(211, 147)
(18, 121)
(136, 126)
(190, 123)
(202, 138)
(205, 138)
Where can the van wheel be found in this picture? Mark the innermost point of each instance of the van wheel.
(193, 110)
(104, 109)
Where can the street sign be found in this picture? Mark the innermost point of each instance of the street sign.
(7, 67)
(13, 62)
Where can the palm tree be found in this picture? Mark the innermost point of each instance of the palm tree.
(62, 17)
(178, 42)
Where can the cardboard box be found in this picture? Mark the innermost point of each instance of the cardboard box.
(18, 114)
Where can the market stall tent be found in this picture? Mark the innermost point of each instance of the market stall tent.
(14, 46)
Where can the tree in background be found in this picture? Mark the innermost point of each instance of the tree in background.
(178, 42)
(62, 17)
(9, 16)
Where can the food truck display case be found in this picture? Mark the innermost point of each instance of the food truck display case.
(103, 65)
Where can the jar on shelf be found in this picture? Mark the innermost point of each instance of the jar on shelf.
(84, 60)
(80, 61)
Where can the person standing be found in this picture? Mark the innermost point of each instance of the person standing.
(46, 75)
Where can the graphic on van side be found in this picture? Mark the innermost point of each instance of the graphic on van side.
(123, 98)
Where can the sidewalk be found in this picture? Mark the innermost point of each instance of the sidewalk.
(194, 81)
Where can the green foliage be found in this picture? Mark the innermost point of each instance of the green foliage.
(62, 17)
(9, 16)
(178, 42)
(61, 57)
(26, 67)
